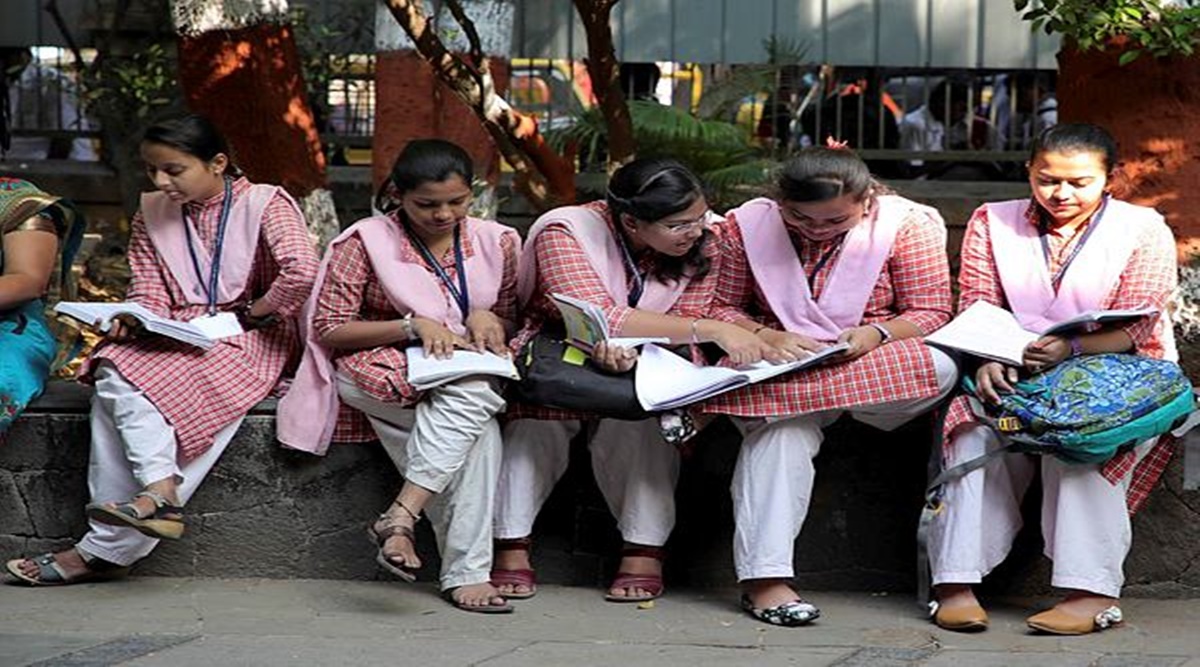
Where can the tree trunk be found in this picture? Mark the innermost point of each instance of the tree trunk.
(605, 73)
(1155, 119)
(1152, 107)
(243, 73)
(544, 177)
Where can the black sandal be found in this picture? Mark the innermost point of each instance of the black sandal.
(392, 529)
(165, 523)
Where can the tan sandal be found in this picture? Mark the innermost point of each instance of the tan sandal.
(392, 529)
(164, 523)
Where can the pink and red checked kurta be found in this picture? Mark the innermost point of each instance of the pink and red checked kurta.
(564, 268)
(914, 285)
(1149, 278)
(201, 391)
(352, 292)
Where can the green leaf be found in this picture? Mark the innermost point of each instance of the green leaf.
(1019, 5)
(1128, 57)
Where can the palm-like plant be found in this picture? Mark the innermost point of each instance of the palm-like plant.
(725, 155)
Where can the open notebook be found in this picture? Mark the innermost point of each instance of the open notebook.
(202, 332)
(664, 380)
(428, 372)
(991, 332)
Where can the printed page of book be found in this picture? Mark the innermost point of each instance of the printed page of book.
(985, 331)
(425, 372)
(90, 312)
(584, 322)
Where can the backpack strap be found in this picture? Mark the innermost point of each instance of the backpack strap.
(939, 475)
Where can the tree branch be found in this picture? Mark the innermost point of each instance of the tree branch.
(605, 73)
(545, 177)
(468, 26)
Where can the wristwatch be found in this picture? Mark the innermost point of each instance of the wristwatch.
(1076, 346)
(883, 331)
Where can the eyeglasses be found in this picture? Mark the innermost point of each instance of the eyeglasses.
(681, 227)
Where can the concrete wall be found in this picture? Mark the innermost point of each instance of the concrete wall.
(267, 512)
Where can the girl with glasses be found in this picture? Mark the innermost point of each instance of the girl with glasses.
(646, 256)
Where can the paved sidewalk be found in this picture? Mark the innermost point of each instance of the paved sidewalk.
(226, 623)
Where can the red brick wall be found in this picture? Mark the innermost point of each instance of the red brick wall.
(410, 103)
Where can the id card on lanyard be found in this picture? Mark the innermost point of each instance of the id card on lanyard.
(214, 324)
(639, 280)
(458, 292)
(1056, 277)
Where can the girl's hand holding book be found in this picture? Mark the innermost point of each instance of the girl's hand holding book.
(438, 341)
(486, 331)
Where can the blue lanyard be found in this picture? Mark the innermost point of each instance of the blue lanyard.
(1057, 277)
(639, 281)
(461, 296)
(214, 273)
(822, 261)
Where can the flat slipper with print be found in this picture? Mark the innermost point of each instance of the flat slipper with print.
(789, 614)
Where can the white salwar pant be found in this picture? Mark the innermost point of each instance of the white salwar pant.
(1085, 522)
(773, 478)
(449, 443)
(133, 446)
(635, 469)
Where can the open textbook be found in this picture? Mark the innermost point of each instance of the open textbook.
(202, 332)
(428, 372)
(586, 325)
(664, 380)
(993, 333)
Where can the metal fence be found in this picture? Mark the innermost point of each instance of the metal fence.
(918, 85)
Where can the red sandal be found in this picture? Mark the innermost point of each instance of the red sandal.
(651, 583)
(516, 577)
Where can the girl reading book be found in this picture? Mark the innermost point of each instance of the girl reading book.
(422, 273)
(38, 233)
(1069, 249)
(832, 256)
(207, 244)
(646, 257)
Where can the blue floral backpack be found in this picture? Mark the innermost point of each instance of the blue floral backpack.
(1085, 410)
(1088, 408)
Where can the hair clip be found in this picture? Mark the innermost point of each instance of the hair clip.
(836, 145)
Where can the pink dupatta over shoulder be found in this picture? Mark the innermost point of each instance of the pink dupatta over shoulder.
(165, 222)
(780, 276)
(588, 226)
(308, 413)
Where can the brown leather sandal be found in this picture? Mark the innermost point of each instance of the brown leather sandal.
(393, 529)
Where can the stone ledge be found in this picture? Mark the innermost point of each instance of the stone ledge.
(268, 512)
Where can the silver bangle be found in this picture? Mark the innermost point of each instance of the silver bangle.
(884, 334)
(407, 324)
